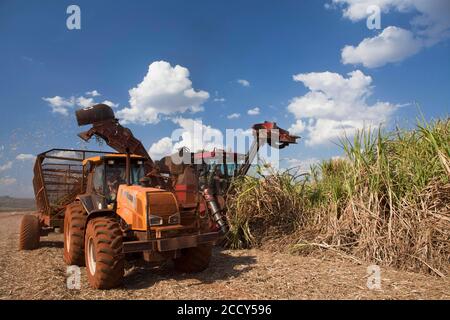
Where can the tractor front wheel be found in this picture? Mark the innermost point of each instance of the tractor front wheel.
(103, 253)
(74, 225)
(194, 259)
(30, 232)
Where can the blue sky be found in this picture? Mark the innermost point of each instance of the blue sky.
(44, 65)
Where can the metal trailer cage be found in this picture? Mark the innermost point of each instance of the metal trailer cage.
(58, 179)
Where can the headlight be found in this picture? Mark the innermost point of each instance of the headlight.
(155, 220)
(174, 219)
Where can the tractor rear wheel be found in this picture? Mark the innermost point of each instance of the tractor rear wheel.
(74, 225)
(30, 231)
(194, 259)
(103, 253)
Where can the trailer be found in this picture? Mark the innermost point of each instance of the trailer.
(58, 179)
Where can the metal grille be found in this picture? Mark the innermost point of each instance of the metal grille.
(162, 204)
(58, 178)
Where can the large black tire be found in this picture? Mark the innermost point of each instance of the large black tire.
(103, 253)
(30, 231)
(74, 225)
(194, 259)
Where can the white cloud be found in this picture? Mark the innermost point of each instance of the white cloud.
(8, 165)
(430, 25)
(243, 82)
(302, 165)
(165, 90)
(192, 134)
(60, 104)
(25, 157)
(219, 100)
(197, 136)
(433, 23)
(161, 148)
(392, 45)
(68, 154)
(298, 127)
(85, 102)
(339, 158)
(336, 105)
(28, 59)
(111, 104)
(7, 181)
(234, 116)
(93, 93)
(356, 10)
(254, 112)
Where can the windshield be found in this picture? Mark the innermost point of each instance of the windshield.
(115, 175)
(223, 170)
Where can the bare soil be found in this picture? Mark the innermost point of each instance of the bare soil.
(233, 274)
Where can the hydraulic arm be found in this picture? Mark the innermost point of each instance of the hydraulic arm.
(270, 133)
(107, 127)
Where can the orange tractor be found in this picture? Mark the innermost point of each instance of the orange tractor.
(115, 205)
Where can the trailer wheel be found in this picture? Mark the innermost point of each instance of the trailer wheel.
(103, 253)
(74, 226)
(194, 259)
(30, 231)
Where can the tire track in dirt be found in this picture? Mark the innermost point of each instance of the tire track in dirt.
(237, 274)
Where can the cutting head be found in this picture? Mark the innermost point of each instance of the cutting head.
(276, 137)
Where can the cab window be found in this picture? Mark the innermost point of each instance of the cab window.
(98, 178)
(116, 175)
(137, 172)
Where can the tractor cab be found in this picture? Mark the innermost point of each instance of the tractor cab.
(106, 173)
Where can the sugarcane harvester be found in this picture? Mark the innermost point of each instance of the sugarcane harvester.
(113, 205)
(267, 132)
(108, 128)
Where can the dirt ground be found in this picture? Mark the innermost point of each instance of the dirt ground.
(233, 274)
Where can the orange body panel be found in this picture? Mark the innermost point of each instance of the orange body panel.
(132, 204)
